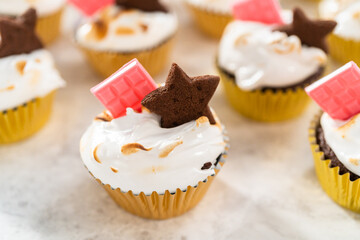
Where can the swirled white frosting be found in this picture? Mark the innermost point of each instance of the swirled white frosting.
(18, 7)
(343, 138)
(24, 77)
(348, 22)
(260, 57)
(219, 6)
(173, 157)
(126, 31)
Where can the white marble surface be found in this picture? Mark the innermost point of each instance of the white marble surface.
(266, 190)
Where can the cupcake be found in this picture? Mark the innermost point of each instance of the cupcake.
(334, 135)
(127, 30)
(264, 68)
(29, 79)
(211, 16)
(157, 163)
(49, 15)
(345, 40)
(328, 9)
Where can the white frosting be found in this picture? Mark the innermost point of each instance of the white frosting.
(343, 138)
(220, 6)
(24, 77)
(260, 57)
(330, 8)
(18, 7)
(132, 36)
(348, 26)
(146, 171)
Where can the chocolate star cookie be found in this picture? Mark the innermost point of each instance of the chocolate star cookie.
(311, 32)
(18, 35)
(182, 99)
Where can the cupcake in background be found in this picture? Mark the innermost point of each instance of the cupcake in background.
(48, 25)
(125, 30)
(28, 79)
(345, 41)
(265, 67)
(335, 135)
(155, 150)
(328, 9)
(211, 16)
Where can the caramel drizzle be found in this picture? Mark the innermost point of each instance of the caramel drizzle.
(168, 149)
(20, 66)
(95, 154)
(104, 116)
(9, 88)
(131, 148)
(115, 170)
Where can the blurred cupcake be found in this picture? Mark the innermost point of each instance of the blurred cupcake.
(334, 135)
(345, 41)
(49, 15)
(28, 79)
(129, 29)
(328, 9)
(264, 68)
(211, 16)
(158, 163)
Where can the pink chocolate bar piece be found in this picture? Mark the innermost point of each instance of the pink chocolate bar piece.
(264, 11)
(125, 88)
(338, 94)
(89, 7)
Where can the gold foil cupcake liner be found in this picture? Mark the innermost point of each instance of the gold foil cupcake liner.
(23, 121)
(339, 187)
(344, 50)
(153, 60)
(211, 23)
(268, 105)
(48, 27)
(167, 205)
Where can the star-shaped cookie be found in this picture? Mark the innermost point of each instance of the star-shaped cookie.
(18, 35)
(144, 5)
(182, 99)
(311, 32)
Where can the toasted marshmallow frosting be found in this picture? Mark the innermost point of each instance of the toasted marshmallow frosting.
(134, 153)
(43, 7)
(114, 29)
(343, 138)
(219, 6)
(348, 22)
(24, 77)
(260, 57)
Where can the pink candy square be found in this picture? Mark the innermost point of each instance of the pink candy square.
(89, 7)
(125, 88)
(338, 93)
(264, 11)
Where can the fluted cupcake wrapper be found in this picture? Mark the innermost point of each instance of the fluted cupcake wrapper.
(48, 27)
(23, 121)
(211, 23)
(340, 188)
(344, 50)
(266, 106)
(106, 63)
(167, 205)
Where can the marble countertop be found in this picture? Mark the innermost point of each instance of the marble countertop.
(267, 189)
